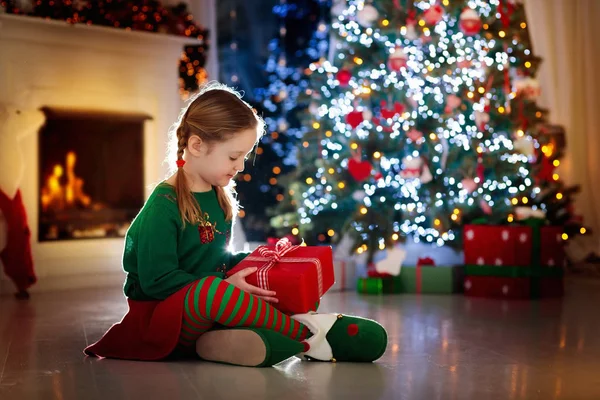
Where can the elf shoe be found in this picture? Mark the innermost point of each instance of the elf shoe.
(248, 347)
(338, 337)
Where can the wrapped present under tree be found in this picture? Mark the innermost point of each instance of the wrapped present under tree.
(495, 256)
(425, 278)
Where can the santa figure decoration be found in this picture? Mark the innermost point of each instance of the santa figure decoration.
(470, 22)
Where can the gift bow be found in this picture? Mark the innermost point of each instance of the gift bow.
(528, 212)
(272, 256)
(425, 261)
(282, 247)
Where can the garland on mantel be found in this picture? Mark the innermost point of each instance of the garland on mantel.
(141, 15)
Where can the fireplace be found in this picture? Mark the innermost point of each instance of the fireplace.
(113, 155)
(91, 173)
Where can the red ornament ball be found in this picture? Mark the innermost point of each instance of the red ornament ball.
(344, 76)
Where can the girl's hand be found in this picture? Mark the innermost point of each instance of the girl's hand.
(239, 280)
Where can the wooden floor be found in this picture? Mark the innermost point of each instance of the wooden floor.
(440, 347)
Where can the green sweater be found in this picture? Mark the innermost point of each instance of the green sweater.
(160, 257)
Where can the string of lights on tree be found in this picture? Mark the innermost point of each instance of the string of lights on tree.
(424, 120)
(141, 15)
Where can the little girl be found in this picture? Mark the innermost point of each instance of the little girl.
(176, 258)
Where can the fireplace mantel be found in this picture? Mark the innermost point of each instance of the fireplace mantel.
(45, 63)
(99, 38)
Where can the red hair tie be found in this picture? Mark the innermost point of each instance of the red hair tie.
(180, 163)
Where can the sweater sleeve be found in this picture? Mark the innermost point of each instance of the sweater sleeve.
(158, 262)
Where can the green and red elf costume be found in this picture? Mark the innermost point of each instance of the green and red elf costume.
(176, 293)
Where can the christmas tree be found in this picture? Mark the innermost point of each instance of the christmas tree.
(425, 119)
(302, 38)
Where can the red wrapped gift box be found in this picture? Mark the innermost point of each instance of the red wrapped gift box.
(552, 252)
(300, 275)
(497, 286)
(497, 245)
(551, 287)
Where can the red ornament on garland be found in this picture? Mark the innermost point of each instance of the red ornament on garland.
(344, 76)
(388, 113)
(354, 118)
(359, 170)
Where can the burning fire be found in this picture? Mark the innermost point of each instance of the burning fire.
(58, 196)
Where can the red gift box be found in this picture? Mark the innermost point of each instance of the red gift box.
(300, 275)
(497, 286)
(552, 252)
(497, 245)
(551, 287)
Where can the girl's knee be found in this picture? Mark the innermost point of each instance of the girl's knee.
(209, 280)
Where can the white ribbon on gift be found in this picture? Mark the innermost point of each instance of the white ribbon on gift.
(272, 256)
(528, 212)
